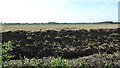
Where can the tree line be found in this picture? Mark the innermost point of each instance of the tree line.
(104, 22)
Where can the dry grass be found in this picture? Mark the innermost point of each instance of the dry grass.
(56, 27)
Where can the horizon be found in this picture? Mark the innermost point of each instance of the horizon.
(64, 22)
(39, 11)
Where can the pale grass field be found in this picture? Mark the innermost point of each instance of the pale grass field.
(56, 27)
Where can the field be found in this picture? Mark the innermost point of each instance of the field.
(56, 27)
(61, 46)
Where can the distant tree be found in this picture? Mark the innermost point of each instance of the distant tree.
(109, 22)
(0, 22)
(52, 22)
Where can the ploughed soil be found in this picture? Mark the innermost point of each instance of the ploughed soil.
(66, 43)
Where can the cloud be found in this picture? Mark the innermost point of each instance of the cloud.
(47, 10)
(95, 0)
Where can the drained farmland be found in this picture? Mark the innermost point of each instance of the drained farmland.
(64, 48)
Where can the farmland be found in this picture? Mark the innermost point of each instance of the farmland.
(56, 27)
(61, 46)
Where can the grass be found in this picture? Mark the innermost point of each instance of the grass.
(0, 55)
(56, 27)
(93, 61)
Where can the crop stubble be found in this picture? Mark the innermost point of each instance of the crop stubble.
(56, 27)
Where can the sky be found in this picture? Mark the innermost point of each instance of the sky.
(62, 11)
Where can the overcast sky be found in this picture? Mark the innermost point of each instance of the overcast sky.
(37, 11)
